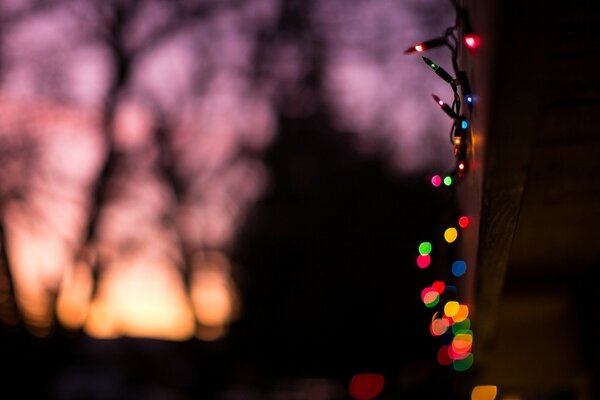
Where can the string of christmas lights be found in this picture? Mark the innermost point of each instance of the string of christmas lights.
(460, 131)
(451, 323)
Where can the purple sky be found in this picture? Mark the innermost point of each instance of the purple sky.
(198, 76)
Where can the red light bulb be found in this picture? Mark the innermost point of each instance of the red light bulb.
(472, 41)
(426, 45)
(463, 221)
(445, 107)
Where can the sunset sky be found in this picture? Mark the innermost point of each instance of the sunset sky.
(138, 139)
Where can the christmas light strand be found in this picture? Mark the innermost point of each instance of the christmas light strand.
(451, 323)
(460, 130)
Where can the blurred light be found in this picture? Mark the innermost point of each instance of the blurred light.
(450, 235)
(436, 180)
(469, 99)
(442, 356)
(366, 386)
(419, 48)
(472, 41)
(462, 343)
(425, 291)
(459, 267)
(431, 298)
(423, 261)
(462, 313)
(464, 364)
(464, 124)
(461, 327)
(484, 392)
(439, 326)
(448, 181)
(451, 308)
(456, 355)
(463, 221)
(439, 286)
(450, 320)
(461, 166)
(425, 248)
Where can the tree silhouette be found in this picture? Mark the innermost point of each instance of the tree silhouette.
(137, 139)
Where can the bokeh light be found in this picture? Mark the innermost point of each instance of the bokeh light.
(463, 364)
(450, 235)
(462, 343)
(472, 41)
(366, 386)
(423, 261)
(436, 181)
(461, 314)
(450, 320)
(424, 293)
(431, 298)
(448, 181)
(456, 356)
(439, 286)
(451, 308)
(463, 221)
(459, 267)
(484, 392)
(439, 326)
(425, 248)
(443, 357)
(461, 327)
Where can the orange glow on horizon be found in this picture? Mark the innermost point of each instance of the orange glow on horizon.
(74, 296)
(140, 299)
(213, 293)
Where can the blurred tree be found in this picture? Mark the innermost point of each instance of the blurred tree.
(132, 135)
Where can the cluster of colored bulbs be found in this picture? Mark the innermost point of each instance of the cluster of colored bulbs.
(461, 127)
(452, 323)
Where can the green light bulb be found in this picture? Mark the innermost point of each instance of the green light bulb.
(441, 72)
(431, 64)
(447, 181)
